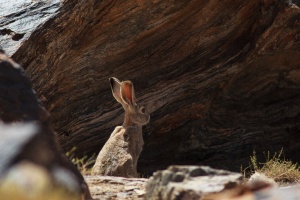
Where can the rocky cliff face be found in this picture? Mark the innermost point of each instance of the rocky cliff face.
(220, 78)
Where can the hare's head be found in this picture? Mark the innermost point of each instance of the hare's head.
(124, 94)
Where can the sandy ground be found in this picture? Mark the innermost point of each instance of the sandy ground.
(108, 187)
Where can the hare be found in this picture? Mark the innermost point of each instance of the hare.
(120, 153)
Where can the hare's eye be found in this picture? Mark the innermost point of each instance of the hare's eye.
(143, 110)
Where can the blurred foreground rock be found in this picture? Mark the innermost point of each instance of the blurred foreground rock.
(30, 157)
(256, 191)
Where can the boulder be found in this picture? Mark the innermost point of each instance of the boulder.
(189, 182)
(30, 155)
(219, 81)
(202, 182)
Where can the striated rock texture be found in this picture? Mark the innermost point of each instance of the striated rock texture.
(27, 140)
(19, 18)
(220, 78)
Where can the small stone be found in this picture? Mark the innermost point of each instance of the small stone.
(197, 172)
(178, 177)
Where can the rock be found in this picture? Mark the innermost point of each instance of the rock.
(198, 182)
(19, 18)
(28, 145)
(110, 187)
(189, 182)
(287, 193)
(218, 80)
(33, 181)
(262, 178)
(258, 191)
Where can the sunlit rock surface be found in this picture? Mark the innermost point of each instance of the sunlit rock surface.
(19, 18)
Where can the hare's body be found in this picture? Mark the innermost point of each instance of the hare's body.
(120, 153)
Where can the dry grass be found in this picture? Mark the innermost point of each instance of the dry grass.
(83, 164)
(282, 171)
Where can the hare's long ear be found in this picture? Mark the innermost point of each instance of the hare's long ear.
(127, 92)
(115, 85)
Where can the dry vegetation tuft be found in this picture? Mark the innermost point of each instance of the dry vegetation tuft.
(83, 164)
(283, 172)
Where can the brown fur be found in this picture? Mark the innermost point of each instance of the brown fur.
(119, 155)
